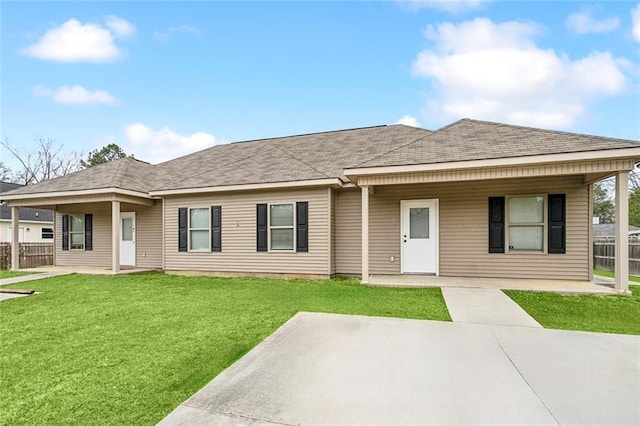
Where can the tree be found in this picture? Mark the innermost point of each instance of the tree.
(603, 207)
(6, 175)
(104, 155)
(47, 161)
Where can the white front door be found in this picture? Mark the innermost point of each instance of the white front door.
(419, 236)
(128, 239)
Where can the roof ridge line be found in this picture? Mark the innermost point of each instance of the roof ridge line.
(308, 134)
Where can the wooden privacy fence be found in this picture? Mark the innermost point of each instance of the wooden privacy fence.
(604, 251)
(32, 255)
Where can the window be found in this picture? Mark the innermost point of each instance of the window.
(281, 226)
(47, 233)
(199, 229)
(76, 231)
(526, 223)
(532, 224)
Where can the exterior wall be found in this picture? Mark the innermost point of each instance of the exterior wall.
(30, 232)
(348, 232)
(148, 235)
(239, 253)
(464, 229)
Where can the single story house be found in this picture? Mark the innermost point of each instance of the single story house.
(472, 199)
(34, 225)
(608, 230)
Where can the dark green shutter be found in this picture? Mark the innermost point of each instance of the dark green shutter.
(216, 228)
(65, 232)
(182, 229)
(496, 224)
(261, 227)
(88, 232)
(557, 224)
(302, 228)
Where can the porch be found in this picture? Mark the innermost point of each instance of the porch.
(88, 270)
(599, 285)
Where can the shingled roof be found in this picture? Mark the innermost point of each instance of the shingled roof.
(468, 139)
(125, 173)
(293, 158)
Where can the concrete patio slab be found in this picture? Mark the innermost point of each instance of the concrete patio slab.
(485, 306)
(340, 369)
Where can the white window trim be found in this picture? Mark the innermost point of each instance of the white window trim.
(544, 224)
(294, 226)
(208, 229)
(81, 216)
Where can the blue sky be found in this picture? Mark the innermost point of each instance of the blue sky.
(162, 79)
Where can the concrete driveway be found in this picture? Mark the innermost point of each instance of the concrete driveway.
(342, 369)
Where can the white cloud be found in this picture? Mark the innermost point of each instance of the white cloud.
(74, 41)
(164, 37)
(408, 120)
(584, 23)
(453, 6)
(491, 71)
(76, 95)
(156, 146)
(635, 19)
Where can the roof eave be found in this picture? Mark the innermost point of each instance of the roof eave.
(334, 182)
(57, 194)
(619, 153)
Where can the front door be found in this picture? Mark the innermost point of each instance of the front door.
(419, 236)
(128, 239)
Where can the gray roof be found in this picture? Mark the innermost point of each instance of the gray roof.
(609, 230)
(468, 139)
(125, 173)
(326, 155)
(26, 214)
(292, 158)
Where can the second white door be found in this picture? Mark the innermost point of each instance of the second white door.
(128, 239)
(419, 236)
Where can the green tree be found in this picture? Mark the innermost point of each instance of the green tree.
(634, 207)
(603, 207)
(104, 155)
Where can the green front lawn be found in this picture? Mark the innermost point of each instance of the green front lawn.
(607, 314)
(610, 274)
(128, 349)
(11, 274)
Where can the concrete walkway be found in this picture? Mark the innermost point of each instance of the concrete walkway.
(485, 306)
(31, 277)
(343, 369)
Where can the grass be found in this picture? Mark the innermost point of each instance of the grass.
(606, 314)
(128, 349)
(10, 274)
(610, 274)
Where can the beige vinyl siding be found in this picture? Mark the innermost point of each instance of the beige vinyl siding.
(348, 232)
(332, 231)
(464, 229)
(148, 235)
(239, 253)
(100, 256)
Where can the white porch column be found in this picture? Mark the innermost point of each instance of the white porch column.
(622, 232)
(115, 237)
(15, 238)
(365, 235)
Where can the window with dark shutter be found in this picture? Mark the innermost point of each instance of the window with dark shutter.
(182, 229)
(88, 232)
(65, 232)
(557, 224)
(302, 229)
(496, 224)
(216, 228)
(261, 227)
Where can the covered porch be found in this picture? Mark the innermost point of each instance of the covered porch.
(97, 231)
(461, 195)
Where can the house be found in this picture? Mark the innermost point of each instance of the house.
(35, 225)
(472, 199)
(608, 230)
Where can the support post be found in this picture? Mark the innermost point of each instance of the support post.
(622, 233)
(115, 237)
(365, 235)
(15, 238)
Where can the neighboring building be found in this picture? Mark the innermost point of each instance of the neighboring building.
(472, 199)
(36, 225)
(608, 230)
